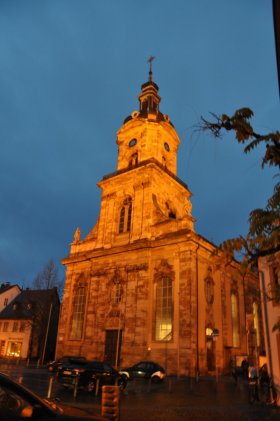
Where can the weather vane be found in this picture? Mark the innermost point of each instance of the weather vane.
(150, 60)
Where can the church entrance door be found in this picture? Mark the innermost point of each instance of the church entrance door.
(211, 366)
(113, 343)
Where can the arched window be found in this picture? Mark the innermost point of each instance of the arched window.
(133, 160)
(209, 287)
(163, 310)
(125, 216)
(78, 313)
(235, 319)
(256, 323)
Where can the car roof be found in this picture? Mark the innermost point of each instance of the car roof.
(73, 356)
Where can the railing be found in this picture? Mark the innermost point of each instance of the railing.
(143, 164)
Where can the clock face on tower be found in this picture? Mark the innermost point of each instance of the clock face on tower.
(166, 146)
(132, 143)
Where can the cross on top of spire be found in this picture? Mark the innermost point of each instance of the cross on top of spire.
(150, 60)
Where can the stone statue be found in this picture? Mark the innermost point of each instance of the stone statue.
(77, 235)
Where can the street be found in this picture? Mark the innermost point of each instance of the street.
(173, 400)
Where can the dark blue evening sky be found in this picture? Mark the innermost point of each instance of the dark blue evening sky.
(70, 72)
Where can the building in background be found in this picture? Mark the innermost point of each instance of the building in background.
(270, 292)
(28, 325)
(143, 284)
(7, 293)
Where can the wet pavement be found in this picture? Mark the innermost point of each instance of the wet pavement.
(173, 400)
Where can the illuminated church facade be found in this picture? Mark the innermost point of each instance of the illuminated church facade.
(143, 284)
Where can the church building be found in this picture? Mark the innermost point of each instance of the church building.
(143, 285)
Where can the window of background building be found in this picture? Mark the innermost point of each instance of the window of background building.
(235, 320)
(163, 310)
(275, 285)
(14, 349)
(125, 216)
(256, 323)
(5, 326)
(22, 327)
(78, 313)
(2, 348)
(15, 326)
(5, 302)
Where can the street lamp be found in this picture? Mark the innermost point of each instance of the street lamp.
(215, 333)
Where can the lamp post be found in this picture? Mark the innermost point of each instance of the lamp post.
(215, 333)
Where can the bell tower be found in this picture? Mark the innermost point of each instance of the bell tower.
(147, 133)
(143, 198)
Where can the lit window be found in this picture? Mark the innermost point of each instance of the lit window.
(78, 313)
(125, 216)
(163, 314)
(235, 320)
(14, 349)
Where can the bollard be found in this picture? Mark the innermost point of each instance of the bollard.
(97, 386)
(149, 385)
(38, 363)
(169, 385)
(20, 380)
(76, 387)
(110, 402)
(50, 387)
(27, 363)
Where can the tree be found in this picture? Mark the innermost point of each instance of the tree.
(263, 237)
(48, 278)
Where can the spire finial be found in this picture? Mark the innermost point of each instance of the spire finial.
(150, 60)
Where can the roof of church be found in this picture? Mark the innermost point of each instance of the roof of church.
(28, 303)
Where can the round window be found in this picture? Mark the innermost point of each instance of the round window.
(166, 146)
(132, 143)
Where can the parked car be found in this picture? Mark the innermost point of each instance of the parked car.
(54, 366)
(17, 402)
(89, 375)
(144, 370)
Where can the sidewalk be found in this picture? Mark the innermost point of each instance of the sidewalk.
(183, 399)
(173, 400)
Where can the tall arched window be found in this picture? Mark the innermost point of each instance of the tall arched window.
(163, 311)
(133, 160)
(235, 319)
(78, 313)
(125, 216)
(256, 323)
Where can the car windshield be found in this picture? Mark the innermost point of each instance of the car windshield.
(76, 361)
(18, 402)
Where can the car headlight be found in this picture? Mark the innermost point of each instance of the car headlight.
(79, 370)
